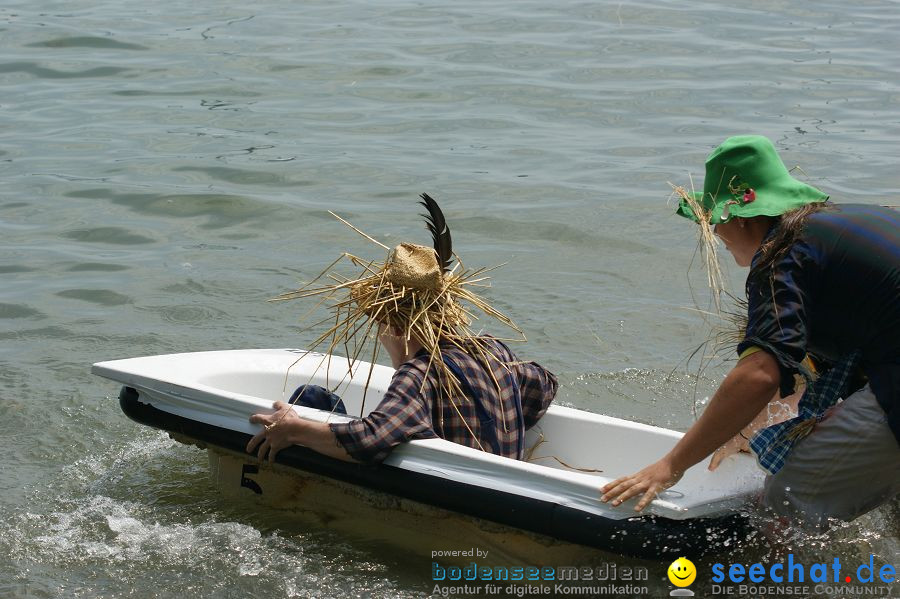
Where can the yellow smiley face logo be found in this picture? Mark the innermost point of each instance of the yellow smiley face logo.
(682, 572)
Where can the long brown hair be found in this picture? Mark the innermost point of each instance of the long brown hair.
(788, 228)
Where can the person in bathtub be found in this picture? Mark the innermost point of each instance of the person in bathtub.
(449, 382)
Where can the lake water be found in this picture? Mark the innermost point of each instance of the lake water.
(168, 166)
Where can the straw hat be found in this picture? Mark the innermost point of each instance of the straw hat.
(414, 266)
(414, 290)
(411, 292)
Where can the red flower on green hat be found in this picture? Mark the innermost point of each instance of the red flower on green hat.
(749, 196)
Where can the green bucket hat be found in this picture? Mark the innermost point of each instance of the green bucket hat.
(746, 178)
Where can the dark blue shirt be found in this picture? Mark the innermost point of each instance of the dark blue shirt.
(837, 289)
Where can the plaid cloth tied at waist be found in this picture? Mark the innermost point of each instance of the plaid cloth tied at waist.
(773, 444)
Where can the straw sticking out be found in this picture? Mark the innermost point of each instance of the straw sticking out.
(414, 292)
(708, 243)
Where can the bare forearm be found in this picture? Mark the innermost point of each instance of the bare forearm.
(284, 428)
(318, 437)
(740, 398)
(777, 410)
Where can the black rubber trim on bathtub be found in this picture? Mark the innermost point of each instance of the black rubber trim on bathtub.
(648, 537)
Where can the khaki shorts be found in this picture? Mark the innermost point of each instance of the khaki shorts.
(848, 465)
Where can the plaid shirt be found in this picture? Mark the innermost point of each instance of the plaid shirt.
(773, 444)
(411, 410)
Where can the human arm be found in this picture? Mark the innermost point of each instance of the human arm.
(740, 397)
(777, 410)
(402, 414)
(285, 428)
(538, 387)
(777, 322)
(399, 417)
(778, 304)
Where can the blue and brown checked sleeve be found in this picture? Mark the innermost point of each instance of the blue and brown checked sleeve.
(412, 409)
(401, 415)
(538, 388)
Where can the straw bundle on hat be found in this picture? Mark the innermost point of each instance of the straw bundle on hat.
(414, 290)
(744, 178)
